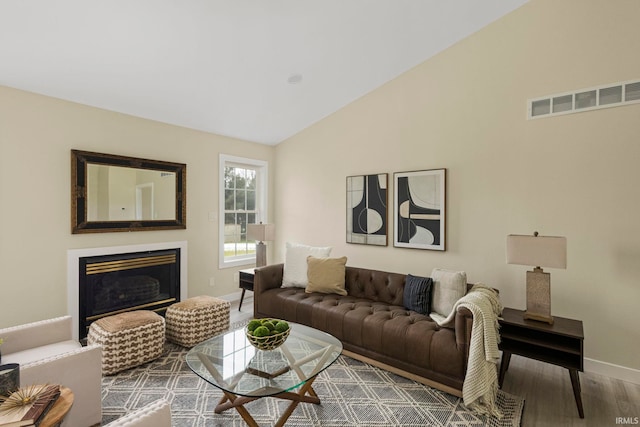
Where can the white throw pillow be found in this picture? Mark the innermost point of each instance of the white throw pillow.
(448, 287)
(295, 263)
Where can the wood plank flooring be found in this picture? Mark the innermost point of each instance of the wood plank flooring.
(549, 397)
(547, 391)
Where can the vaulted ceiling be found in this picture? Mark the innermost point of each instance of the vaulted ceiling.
(258, 70)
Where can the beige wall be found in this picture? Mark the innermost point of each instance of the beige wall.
(465, 110)
(36, 136)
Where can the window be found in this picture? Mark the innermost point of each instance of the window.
(243, 200)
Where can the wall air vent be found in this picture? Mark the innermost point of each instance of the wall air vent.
(606, 96)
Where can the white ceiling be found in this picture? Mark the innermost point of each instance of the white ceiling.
(223, 66)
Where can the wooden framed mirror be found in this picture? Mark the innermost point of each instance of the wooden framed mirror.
(119, 193)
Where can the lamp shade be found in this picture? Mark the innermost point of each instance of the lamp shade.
(261, 232)
(539, 251)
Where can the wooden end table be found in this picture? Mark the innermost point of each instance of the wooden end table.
(246, 282)
(560, 344)
(59, 410)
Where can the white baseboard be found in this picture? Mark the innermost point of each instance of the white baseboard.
(610, 370)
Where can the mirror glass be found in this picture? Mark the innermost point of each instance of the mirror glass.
(115, 193)
(118, 193)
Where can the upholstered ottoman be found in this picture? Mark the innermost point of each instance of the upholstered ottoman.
(196, 319)
(128, 339)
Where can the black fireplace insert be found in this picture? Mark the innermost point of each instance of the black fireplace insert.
(112, 284)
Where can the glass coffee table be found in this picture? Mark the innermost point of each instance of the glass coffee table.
(229, 362)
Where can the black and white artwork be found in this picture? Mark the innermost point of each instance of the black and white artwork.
(419, 209)
(367, 209)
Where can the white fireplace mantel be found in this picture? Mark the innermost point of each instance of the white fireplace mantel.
(73, 263)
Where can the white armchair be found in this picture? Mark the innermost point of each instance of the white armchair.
(47, 353)
(156, 414)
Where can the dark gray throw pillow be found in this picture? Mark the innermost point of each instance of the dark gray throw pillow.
(417, 294)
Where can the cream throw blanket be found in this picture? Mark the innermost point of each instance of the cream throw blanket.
(480, 386)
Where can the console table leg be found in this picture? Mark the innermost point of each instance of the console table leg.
(577, 391)
(504, 365)
(241, 298)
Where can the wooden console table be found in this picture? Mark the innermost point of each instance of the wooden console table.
(246, 282)
(560, 344)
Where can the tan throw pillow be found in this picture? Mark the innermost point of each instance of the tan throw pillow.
(326, 275)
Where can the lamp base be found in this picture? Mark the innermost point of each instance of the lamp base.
(261, 254)
(538, 296)
(537, 317)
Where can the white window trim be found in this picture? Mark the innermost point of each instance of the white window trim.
(262, 168)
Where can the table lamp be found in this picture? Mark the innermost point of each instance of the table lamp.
(538, 251)
(261, 232)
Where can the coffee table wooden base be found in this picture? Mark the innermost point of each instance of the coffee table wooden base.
(306, 394)
(295, 365)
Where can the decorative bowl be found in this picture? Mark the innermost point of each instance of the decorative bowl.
(267, 342)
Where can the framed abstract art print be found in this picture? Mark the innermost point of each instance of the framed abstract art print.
(367, 209)
(419, 209)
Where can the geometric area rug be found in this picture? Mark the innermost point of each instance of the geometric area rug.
(352, 393)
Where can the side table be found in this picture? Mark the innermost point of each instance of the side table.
(246, 282)
(561, 344)
(59, 410)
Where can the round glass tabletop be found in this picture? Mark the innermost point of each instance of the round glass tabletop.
(228, 361)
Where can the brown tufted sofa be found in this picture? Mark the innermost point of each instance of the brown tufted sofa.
(373, 325)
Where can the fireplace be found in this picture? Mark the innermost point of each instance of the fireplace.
(110, 283)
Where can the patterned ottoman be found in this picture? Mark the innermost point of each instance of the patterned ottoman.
(196, 319)
(128, 339)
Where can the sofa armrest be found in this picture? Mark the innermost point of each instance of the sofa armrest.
(265, 278)
(36, 334)
(81, 371)
(463, 324)
(268, 277)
